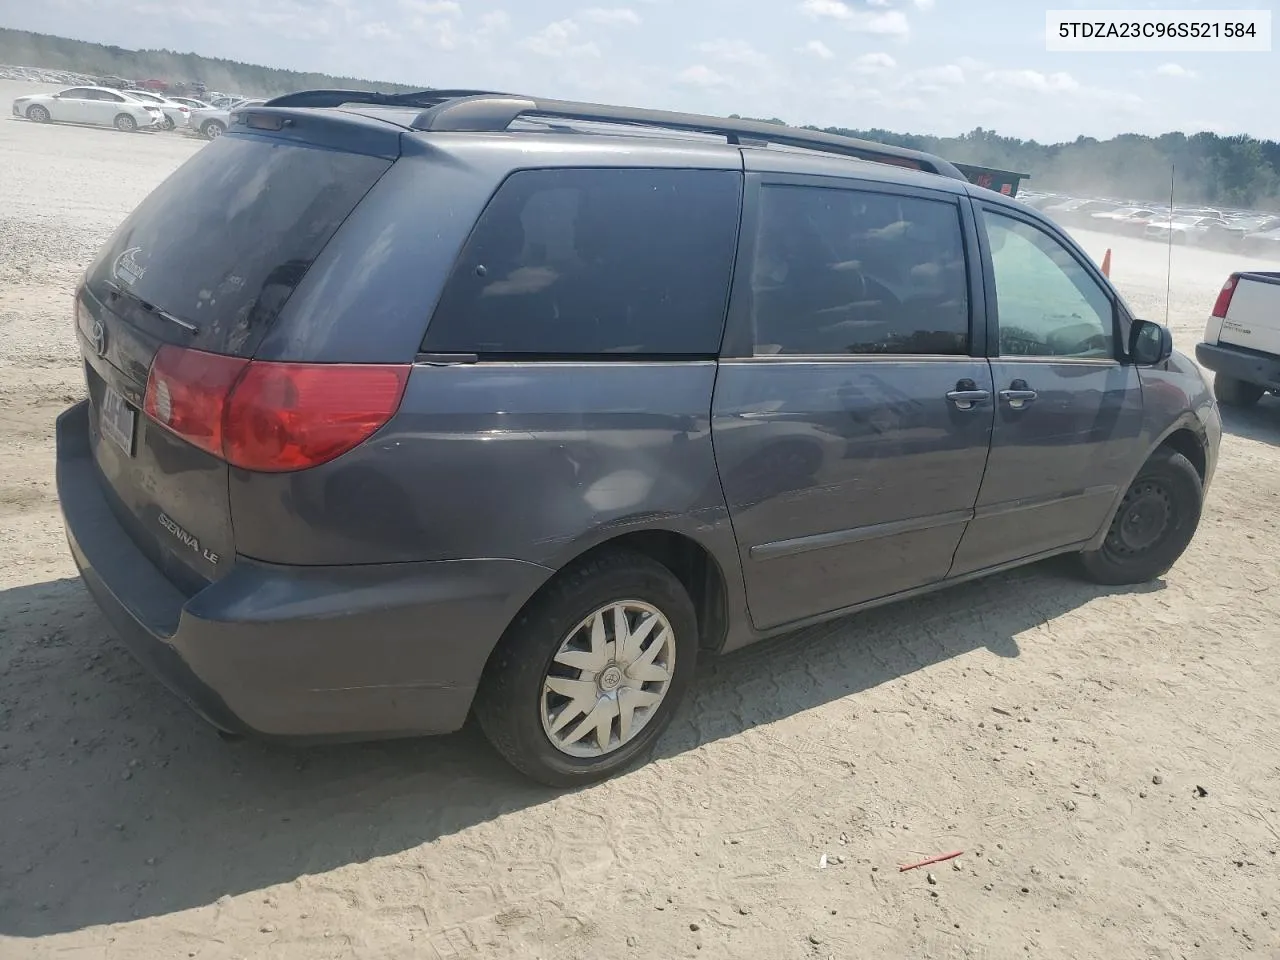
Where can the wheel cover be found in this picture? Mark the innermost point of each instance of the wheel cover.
(1145, 518)
(607, 679)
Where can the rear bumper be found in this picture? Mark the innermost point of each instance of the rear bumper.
(1240, 364)
(296, 652)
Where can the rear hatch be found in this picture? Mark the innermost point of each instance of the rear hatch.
(205, 263)
(1252, 317)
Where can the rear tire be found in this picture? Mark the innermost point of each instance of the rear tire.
(1153, 525)
(125, 123)
(37, 114)
(168, 123)
(1236, 393)
(212, 129)
(542, 684)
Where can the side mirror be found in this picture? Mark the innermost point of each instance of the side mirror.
(1150, 343)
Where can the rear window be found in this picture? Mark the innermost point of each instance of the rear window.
(589, 262)
(223, 242)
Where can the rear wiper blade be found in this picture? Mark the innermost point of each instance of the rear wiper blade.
(152, 308)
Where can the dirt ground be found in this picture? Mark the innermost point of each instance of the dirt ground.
(1058, 733)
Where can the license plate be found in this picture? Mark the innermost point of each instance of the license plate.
(117, 421)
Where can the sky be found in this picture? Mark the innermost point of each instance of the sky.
(920, 66)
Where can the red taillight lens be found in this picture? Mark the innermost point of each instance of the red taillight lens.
(187, 393)
(1223, 303)
(287, 416)
(271, 417)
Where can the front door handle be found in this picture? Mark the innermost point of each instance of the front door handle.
(966, 395)
(1018, 395)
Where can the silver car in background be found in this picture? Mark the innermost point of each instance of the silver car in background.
(212, 122)
(175, 114)
(99, 106)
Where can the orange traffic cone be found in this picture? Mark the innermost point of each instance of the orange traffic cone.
(1106, 263)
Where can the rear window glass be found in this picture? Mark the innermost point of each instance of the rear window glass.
(590, 262)
(223, 242)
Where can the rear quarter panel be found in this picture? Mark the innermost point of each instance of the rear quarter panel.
(527, 461)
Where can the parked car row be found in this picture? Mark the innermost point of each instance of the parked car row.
(97, 106)
(129, 110)
(1240, 231)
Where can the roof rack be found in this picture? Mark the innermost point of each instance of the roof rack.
(336, 98)
(472, 111)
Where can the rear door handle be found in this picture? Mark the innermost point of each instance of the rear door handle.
(966, 395)
(1018, 395)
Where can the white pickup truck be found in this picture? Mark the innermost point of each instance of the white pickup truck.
(1242, 339)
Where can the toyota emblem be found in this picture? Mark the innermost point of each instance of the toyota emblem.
(99, 335)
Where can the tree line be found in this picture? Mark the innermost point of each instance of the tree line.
(1235, 172)
(20, 48)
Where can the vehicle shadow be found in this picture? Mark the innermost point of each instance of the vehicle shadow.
(117, 803)
(1261, 423)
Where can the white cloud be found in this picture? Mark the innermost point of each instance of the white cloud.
(874, 63)
(883, 22)
(833, 9)
(949, 75)
(816, 48)
(1175, 70)
(439, 33)
(734, 51)
(560, 39)
(612, 16)
(969, 63)
(1034, 80)
(376, 31)
(892, 23)
(700, 75)
(495, 21)
(432, 8)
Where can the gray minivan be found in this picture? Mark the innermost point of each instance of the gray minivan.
(402, 408)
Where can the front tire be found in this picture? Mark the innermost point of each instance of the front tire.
(125, 123)
(168, 123)
(591, 672)
(212, 129)
(1153, 526)
(37, 114)
(1236, 393)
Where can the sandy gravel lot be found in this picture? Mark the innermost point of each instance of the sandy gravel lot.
(1054, 731)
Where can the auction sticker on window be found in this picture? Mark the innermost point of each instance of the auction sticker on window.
(1158, 31)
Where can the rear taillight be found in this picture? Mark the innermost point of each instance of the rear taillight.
(1223, 303)
(287, 416)
(187, 394)
(271, 417)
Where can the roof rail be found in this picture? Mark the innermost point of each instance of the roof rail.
(336, 98)
(496, 111)
(478, 111)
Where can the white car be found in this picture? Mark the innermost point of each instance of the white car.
(191, 102)
(213, 122)
(175, 114)
(100, 106)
